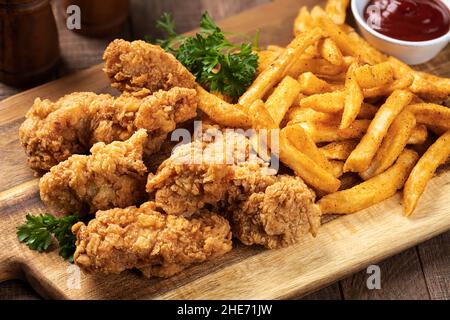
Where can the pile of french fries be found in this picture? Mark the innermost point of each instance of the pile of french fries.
(342, 106)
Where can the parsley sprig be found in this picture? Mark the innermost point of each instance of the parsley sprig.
(216, 62)
(37, 233)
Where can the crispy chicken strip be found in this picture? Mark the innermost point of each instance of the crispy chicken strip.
(157, 244)
(142, 68)
(53, 131)
(113, 176)
(264, 209)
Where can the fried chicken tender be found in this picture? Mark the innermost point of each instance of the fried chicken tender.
(113, 176)
(157, 244)
(53, 131)
(263, 208)
(142, 68)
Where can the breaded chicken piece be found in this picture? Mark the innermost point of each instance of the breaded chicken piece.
(157, 244)
(53, 131)
(113, 176)
(142, 68)
(263, 208)
(273, 211)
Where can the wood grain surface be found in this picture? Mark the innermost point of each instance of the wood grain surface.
(421, 272)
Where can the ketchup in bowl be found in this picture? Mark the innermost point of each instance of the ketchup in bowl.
(408, 20)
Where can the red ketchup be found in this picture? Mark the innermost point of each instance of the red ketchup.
(408, 20)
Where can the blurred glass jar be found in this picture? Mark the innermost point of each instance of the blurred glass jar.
(29, 46)
(99, 18)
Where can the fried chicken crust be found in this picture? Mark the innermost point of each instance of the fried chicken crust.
(113, 176)
(53, 131)
(157, 244)
(263, 208)
(142, 68)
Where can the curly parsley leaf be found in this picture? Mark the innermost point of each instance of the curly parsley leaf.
(217, 63)
(37, 233)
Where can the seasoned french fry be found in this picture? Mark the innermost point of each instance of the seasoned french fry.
(298, 114)
(300, 140)
(378, 75)
(353, 98)
(325, 132)
(399, 84)
(311, 84)
(393, 144)
(337, 167)
(330, 52)
(372, 191)
(303, 21)
(261, 118)
(424, 170)
(431, 114)
(349, 45)
(265, 59)
(367, 111)
(273, 74)
(275, 48)
(419, 134)
(330, 102)
(339, 150)
(424, 85)
(304, 167)
(220, 111)
(359, 160)
(317, 66)
(282, 99)
(336, 10)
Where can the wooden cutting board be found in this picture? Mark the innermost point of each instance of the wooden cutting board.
(343, 246)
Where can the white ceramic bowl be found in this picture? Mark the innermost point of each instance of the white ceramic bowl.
(410, 52)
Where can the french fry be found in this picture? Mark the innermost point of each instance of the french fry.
(303, 21)
(337, 167)
(261, 118)
(275, 48)
(431, 114)
(304, 167)
(273, 74)
(336, 10)
(282, 99)
(302, 142)
(339, 150)
(330, 102)
(386, 90)
(378, 75)
(372, 191)
(317, 66)
(393, 144)
(330, 52)
(222, 112)
(367, 111)
(349, 45)
(428, 87)
(353, 98)
(326, 132)
(419, 134)
(265, 59)
(310, 84)
(424, 170)
(359, 160)
(298, 114)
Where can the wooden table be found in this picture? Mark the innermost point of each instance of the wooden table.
(422, 272)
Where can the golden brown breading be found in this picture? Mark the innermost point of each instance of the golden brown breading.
(273, 211)
(113, 176)
(263, 208)
(142, 68)
(157, 244)
(52, 132)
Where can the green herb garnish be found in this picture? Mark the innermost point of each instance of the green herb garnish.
(37, 233)
(216, 62)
